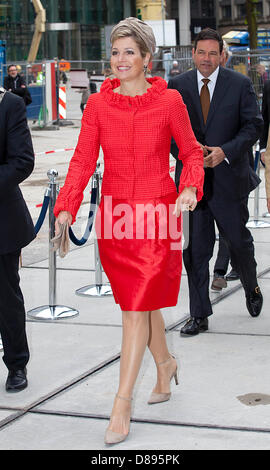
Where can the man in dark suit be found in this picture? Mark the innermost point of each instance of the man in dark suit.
(15, 83)
(224, 116)
(17, 231)
(223, 256)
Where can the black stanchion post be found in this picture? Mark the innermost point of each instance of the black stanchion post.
(98, 289)
(52, 311)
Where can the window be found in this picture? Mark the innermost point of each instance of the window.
(208, 8)
(241, 11)
(259, 8)
(195, 9)
(226, 12)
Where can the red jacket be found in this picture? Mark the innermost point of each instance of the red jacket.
(135, 135)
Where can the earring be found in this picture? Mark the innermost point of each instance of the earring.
(145, 68)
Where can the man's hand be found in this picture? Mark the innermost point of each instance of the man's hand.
(263, 157)
(215, 157)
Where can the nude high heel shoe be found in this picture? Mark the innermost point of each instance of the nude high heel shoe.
(161, 397)
(112, 437)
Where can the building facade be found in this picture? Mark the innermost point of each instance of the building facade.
(231, 15)
(74, 28)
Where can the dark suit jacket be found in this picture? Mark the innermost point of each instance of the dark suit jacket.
(233, 123)
(16, 164)
(265, 114)
(15, 85)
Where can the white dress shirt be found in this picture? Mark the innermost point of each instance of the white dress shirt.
(211, 86)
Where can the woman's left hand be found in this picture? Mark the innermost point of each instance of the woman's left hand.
(186, 201)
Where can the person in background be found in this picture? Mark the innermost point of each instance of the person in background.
(63, 77)
(17, 231)
(265, 156)
(263, 73)
(85, 95)
(93, 87)
(30, 76)
(223, 256)
(86, 92)
(108, 73)
(225, 56)
(175, 69)
(15, 83)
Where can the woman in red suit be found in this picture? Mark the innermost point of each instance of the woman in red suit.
(133, 119)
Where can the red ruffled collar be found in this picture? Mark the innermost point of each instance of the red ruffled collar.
(122, 101)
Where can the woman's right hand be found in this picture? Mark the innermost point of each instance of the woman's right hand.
(63, 216)
(204, 149)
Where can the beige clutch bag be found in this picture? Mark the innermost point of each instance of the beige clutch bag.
(61, 241)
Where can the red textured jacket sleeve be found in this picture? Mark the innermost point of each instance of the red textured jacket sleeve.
(82, 164)
(190, 151)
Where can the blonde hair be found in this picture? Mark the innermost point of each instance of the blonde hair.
(140, 31)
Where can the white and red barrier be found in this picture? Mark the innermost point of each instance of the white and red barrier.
(50, 93)
(172, 168)
(62, 102)
(55, 151)
(49, 152)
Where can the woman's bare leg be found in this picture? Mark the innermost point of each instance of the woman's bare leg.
(158, 346)
(134, 341)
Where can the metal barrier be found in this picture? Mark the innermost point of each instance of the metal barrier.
(255, 64)
(256, 222)
(52, 311)
(98, 289)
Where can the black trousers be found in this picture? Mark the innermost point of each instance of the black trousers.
(231, 218)
(223, 257)
(12, 313)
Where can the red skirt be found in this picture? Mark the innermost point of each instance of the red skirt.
(140, 245)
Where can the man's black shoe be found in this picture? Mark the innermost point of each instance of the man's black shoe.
(232, 276)
(194, 326)
(16, 380)
(254, 301)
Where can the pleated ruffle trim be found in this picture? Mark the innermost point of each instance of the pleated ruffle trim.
(192, 175)
(125, 102)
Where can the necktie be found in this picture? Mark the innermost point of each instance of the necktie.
(205, 98)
